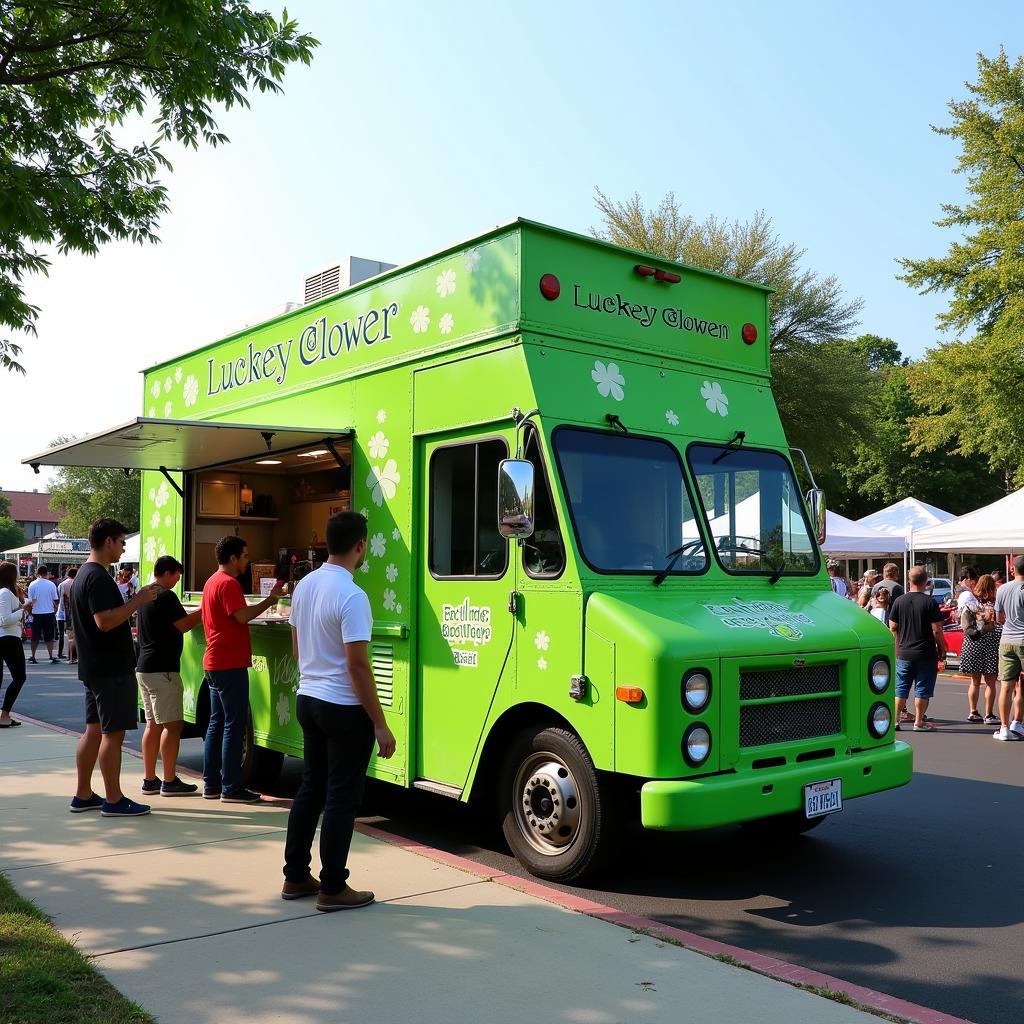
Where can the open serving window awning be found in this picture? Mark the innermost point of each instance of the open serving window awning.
(170, 445)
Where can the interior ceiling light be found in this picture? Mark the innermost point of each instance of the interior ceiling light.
(314, 455)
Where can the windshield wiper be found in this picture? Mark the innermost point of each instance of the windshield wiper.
(737, 442)
(659, 578)
(777, 574)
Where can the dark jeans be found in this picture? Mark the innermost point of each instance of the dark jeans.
(337, 744)
(225, 735)
(61, 634)
(12, 654)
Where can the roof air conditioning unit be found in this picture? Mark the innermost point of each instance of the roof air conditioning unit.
(351, 270)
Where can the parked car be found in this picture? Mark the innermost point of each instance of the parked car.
(942, 589)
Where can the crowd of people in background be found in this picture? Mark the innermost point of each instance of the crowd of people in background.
(984, 607)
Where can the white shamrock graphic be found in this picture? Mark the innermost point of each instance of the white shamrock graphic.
(608, 380)
(364, 568)
(388, 598)
(398, 609)
(149, 549)
(167, 520)
(715, 398)
(445, 283)
(446, 323)
(155, 389)
(284, 711)
(152, 494)
(191, 390)
(391, 572)
(542, 663)
(151, 412)
(672, 417)
(162, 495)
(396, 534)
(381, 415)
(162, 549)
(420, 319)
(379, 445)
(378, 545)
(472, 260)
(168, 384)
(189, 700)
(384, 481)
(167, 409)
(177, 375)
(364, 511)
(541, 641)
(154, 521)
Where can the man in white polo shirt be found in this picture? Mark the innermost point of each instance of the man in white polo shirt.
(340, 715)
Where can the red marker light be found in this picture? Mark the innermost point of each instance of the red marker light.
(644, 271)
(749, 333)
(550, 287)
(667, 276)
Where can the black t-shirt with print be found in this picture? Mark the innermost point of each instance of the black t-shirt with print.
(100, 655)
(160, 641)
(913, 614)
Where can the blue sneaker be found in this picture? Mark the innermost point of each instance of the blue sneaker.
(94, 803)
(124, 808)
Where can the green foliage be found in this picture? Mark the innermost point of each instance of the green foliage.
(73, 79)
(5, 504)
(88, 494)
(807, 312)
(11, 534)
(985, 269)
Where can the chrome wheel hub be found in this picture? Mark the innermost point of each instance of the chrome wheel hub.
(546, 803)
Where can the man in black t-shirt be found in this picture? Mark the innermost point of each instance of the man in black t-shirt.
(916, 624)
(162, 626)
(106, 665)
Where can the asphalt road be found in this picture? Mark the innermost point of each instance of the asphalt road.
(914, 892)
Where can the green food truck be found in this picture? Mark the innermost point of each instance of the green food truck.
(597, 586)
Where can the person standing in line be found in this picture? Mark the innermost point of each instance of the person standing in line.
(12, 650)
(106, 665)
(997, 575)
(881, 605)
(226, 616)
(864, 592)
(69, 623)
(890, 581)
(1009, 611)
(340, 715)
(162, 626)
(42, 592)
(916, 624)
(979, 656)
(837, 581)
(62, 589)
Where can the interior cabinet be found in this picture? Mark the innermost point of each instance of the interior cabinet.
(218, 497)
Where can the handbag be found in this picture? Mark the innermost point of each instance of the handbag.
(969, 624)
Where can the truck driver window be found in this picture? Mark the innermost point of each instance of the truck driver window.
(543, 554)
(630, 506)
(754, 510)
(464, 538)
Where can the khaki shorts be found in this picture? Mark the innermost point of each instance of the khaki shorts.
(162, 696)
(1011, 662)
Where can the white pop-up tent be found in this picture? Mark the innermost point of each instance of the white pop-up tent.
(904, 516)
(996, 529)
(848, 539)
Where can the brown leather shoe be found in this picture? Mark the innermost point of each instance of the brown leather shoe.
(296, 890)
(347, 899)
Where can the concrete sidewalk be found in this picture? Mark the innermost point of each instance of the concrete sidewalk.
(181, 911)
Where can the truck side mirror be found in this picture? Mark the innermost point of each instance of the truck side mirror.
(816, 506)
(515, 498)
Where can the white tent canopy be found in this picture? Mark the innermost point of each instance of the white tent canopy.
(847, 539)
(904, 516)
(996, 529)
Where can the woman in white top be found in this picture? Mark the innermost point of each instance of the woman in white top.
(880, 605)
(12, 653)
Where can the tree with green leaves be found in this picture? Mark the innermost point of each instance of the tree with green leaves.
(984, 267)
(74, 79)
(807, 313)
(11, 534)
(86, 494)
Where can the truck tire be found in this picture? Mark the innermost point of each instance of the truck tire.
(783, 826)
(260, 767)
(556, 814)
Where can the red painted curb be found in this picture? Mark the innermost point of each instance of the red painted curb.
(769, 966)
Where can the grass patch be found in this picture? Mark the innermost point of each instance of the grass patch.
(44, 979)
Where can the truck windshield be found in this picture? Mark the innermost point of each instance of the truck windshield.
(754, 510)
(629, 503)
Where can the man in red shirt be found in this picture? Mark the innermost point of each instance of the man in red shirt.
(226, 618)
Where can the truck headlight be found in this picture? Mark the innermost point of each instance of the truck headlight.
(878, 674)
(879, 720)
(696, 744)
(696, 690)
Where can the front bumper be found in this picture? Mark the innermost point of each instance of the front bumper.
(684, 804)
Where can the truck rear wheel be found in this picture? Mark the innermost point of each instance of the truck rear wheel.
(556, 813)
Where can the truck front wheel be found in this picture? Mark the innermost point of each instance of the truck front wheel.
(556, 812)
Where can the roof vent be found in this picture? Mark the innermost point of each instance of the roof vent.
(349, 271)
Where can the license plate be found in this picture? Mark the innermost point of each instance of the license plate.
(823, 798)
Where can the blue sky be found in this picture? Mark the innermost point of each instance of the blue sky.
(421, 124)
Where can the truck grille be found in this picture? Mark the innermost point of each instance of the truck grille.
(789, 682)
(791, 720)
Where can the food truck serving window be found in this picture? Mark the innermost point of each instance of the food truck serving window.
(754, 511)
(629, 502)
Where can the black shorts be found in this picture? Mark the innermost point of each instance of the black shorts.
(44, 627)
(112, 702)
